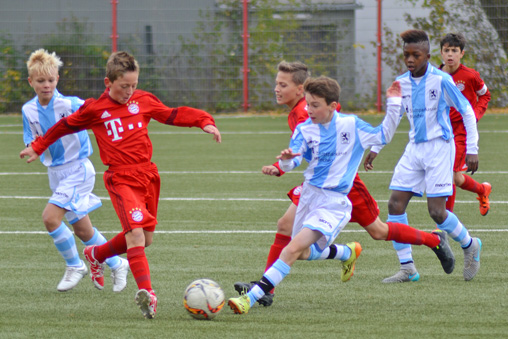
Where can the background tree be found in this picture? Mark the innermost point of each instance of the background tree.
(484, 51)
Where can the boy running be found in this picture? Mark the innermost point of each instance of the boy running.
(71, 174)
(471, 85)
(119, 120)
(333, 144)
(427, 162)
(289, 91)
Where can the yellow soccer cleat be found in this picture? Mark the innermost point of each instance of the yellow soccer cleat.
(240, 305)
(348, 266)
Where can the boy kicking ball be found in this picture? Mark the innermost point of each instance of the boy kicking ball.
(333, 145)
(119, 121)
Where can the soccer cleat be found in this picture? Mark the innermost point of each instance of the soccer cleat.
(147, 302)
(243, 288)
(348, 266)
(403, 275)
(119, 276)
(484, 199)
(444, 252)
(472, 259)
(96, 268)
(72, 277)
(240, 305)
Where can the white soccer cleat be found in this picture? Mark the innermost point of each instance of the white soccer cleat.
(147, 302)
(119, 276)
(72, 277)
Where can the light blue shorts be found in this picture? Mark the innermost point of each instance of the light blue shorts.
(72, 186)
(324, 211)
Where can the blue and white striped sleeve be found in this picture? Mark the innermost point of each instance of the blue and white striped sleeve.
(298, 145)
(394, 114)
(27, 131)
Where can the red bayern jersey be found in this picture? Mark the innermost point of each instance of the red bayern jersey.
(471, 85)
(298, 114)
(121, 129)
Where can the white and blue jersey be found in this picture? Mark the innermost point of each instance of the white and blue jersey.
(335, 151)
(427, 105)
(37, 119)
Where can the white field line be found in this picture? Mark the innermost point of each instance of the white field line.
(234, 231)
(414, 201)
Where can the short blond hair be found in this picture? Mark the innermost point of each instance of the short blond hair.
(120, 63)
(43, 62)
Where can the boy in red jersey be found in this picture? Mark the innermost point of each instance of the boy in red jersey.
(476, 92)
(289, 91)
(119, 120)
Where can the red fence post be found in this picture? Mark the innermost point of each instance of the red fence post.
(379, 52)
(114, 34)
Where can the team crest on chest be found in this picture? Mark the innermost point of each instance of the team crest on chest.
(344, 137)
(433, 94)
(133, 107)
(461, 85)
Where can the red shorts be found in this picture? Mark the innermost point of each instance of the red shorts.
(365, 208)
(134, 192)
(459, 131)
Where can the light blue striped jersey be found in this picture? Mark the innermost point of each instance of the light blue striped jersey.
(335, 151)
(427, 106)
(38, 119)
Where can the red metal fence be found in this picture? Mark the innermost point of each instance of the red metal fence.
(203, 53)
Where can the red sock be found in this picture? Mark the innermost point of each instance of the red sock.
(115, 246)
(279, 243)
(139, 267)
(472, 185)
(408, 235)
(450, 202)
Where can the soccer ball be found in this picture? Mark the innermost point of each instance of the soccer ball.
(203, 299)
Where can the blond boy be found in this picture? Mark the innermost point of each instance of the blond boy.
(71, 174)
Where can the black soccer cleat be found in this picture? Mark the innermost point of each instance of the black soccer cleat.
(243, 288)
(444, 252)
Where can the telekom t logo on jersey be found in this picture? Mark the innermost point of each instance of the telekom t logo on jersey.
(114, 127)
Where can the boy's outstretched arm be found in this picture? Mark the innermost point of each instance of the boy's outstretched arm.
(270, 170)
(287, 154)
(394, 90)
(30, 153)
(213, 130)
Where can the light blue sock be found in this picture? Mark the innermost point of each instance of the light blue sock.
(99, 239)
(275, 275)
(404, 251)
(455, 229)
(335, 251)
(66, 245)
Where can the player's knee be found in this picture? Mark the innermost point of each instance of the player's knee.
(51, 221)
(396, 206)
(438, 215)
(284, 226)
